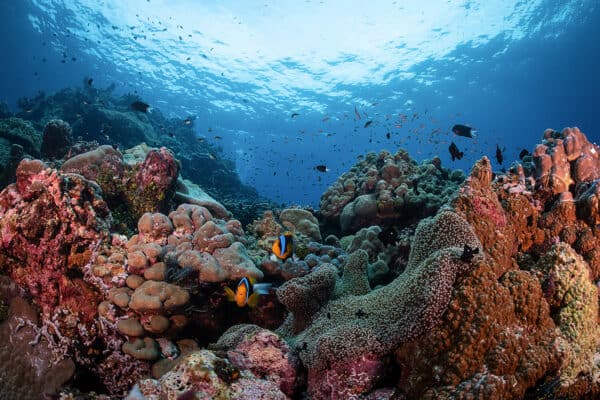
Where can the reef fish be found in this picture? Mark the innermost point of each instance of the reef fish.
(283, 247)
(247, 292)
(524, 153)
(499, 155)
(463, 130)
(454, 152)
(140, 106)
(368, 123)
(322, 168)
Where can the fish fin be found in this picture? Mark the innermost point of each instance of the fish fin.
(253, 300)
(474, 133)
(229, 293)
(261, 288)
(251, 280)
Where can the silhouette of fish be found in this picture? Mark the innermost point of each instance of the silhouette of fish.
(322, 168)
(463, 130)
(455, 153)
(524, 153)
(499, 155)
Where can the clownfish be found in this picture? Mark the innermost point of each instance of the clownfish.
(247, 292)
(283, 247)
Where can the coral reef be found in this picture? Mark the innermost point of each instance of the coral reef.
(204, 375)
(96, 114)
(21, 132)
(56, 139)
(143, 186)
(30, 369)
(489, 291)
(335, 323)
(387, 187)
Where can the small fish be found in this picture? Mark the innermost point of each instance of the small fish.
(454, 152)
(283, 247)
(201, 139)
(463, 130)
(368, 123)
(524, 153)
(90, 81)
(187, 121)
(499, 155)
(217, 137)
(171, 134)
(388, 135)
(356, 113)
(140, 106)
(294, 115)
(468, 253)
(247, 292)
(388, 236)
(322, 168)
(416, 186)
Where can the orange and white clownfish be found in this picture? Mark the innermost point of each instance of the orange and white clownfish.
(247, 292)
(283, 247)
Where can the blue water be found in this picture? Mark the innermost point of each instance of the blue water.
(508, 68)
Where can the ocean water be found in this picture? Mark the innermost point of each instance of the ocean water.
(289, 85)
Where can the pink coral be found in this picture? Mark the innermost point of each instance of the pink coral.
(346, 380)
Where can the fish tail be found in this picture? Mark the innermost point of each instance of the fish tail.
(261, 288)
(229, 293)
(474, 133)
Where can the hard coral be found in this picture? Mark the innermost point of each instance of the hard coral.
(56, 139)
(203, 375)
(385, 187)
(145, 186)
(49, 225)
(495, 341)
(565, 159)
(262, 352)
(573, 299)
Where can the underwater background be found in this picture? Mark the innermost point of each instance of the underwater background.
(299, 200)
(509, 69)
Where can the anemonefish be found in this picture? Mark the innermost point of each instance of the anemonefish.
(283, 247)
(247, 292)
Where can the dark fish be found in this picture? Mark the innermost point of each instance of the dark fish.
(499, 155)
(218, 137)
(388, 135)
(388, 236)
(454, 152)
(294, 115)
(356, 113)
(171, 134)
(140, 106)
(524, 153)
(468, 253)
(115, 146)
(369, 122)
(90, 81)
(463, 130)
(322, 168)
(187, 121)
